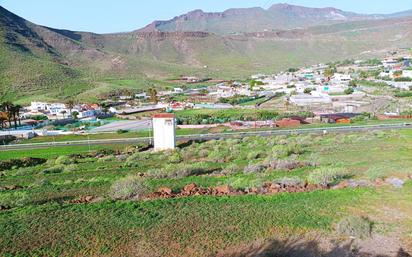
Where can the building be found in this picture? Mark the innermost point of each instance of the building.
(407, 74)
(341, 78)
(164, 131)
(305, 100)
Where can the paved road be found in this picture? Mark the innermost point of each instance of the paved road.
(130, 125)
(345, 129)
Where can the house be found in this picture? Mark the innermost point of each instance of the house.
(38, 106)
(407, 74)
(388, 63)
(341, 78)
(178, 90)
(305, 100)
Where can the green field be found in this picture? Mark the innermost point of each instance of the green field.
(42, 222)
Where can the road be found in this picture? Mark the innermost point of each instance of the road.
(345, 129)
(132, 125)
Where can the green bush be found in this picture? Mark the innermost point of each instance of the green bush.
(54, 169)
(288, 182)
(254, 168)
(355, 226)
(328, 175)
(175, 158)
(130, 187)
(70, 168)
(63, 160)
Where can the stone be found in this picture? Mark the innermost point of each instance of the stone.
(396, 182)
(165, 190)
(341, 185)
(225, 189)
(190, 187)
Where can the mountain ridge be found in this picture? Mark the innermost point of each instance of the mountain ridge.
(49, 63)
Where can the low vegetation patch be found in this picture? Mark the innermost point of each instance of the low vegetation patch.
(354, 226)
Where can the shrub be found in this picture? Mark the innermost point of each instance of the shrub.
(135, 159)
(254, 155)
(70, 168)
(279, 151)
(175, 157)
(254, 168)
(231, 168)
(54, 169)
(218, 156)
(130, 187)
(355, 226)
(122, 131)
(288, 164)
(63, 160)
(289, 182)
(328, 175)
(109, 158)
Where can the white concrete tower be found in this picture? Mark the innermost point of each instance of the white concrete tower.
(164, 131)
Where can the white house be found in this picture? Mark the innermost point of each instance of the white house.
(164, 131)
(38, 106)
(305, 100)
(407, 74)
(341, 78)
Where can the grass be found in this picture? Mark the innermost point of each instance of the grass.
(44, 223)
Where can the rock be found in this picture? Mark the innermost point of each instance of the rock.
(396, 182)
(225, 189)
(12, 187)
(190, 187)
(342, 185)
(165, 190)
(379, 182)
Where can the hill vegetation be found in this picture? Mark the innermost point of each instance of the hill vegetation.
(51, 64)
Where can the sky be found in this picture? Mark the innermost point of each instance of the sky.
(105, 16)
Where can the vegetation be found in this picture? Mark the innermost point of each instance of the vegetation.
(49, 193)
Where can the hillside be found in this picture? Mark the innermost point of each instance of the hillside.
(277, 17)
(47, 63)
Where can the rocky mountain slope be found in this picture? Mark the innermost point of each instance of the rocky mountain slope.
(46, 63)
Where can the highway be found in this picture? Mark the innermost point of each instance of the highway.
(343, 129)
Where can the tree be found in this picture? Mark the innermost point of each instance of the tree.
(329, 72)
(153, 95)
(70, 105)
(75, 115)
(349, 91)
(352, 83)
(8, 108)
(308, 91)
(18, 108)
(64, 113)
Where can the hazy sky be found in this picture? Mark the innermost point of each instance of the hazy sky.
(103, 16)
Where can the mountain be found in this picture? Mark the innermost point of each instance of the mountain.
(44, 63)
(277, 17)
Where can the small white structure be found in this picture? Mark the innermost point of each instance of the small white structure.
(164, 131)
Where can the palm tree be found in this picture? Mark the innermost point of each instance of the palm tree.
(153, 95)
(70, 104)
(17, 109)
(8, 107)
(64, 113)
